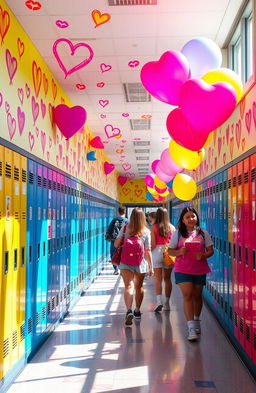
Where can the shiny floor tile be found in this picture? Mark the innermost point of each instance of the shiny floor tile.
(93, 352)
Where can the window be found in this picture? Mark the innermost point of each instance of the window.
(241, 46)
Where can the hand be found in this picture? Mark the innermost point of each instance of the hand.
(199, 255)
(151, 273)
(183, 250)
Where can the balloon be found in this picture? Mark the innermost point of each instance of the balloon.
(206, 106)
(158, 198)
(184, 187)
(203, 55)
(186, 158)
(149, 196)
(152, 191)
(160, 190)
(108, 168)
(91, 156)
(162, 175)
(154, 164)
(149, 180)
(164, 194)
(96, 143)
(226, 75)
(69, 120)
(159, 183)
(167, 165)
(164, 78)
(122, 180)
(209, 139)
(181, 131)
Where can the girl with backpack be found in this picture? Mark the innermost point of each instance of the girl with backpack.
(191, 245)
(136, 261)
(161, 233)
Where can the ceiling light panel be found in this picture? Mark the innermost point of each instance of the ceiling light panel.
(132, 2)
(135, 92)
(140, 124)
(141, 143)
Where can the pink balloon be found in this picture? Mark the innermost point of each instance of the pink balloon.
(158, 198)
(162, 175)
(69, 120)
(73, 48)
(167, 165)
(160, 190)
(154, 165)
(96, 143)
(181, 131)
(108, 168)
(163, 78)
(122, 180)
(149, 181)
(207, 106)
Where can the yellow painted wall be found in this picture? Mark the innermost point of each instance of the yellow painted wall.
(134, 191)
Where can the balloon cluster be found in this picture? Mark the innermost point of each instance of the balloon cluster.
(205, 96)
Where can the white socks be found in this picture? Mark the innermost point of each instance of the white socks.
(159, 299)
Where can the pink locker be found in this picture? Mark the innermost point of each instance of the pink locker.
(253, 253)
(234, 253)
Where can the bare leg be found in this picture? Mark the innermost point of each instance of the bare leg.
(158, 280)
(139, 291)
(167, 282)
(197, 299)
(128, 277)
(187, 289)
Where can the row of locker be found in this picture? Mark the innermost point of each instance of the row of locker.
(227, 208)
(52, 245)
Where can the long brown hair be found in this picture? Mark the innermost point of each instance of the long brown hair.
(163, 223)
(137, 223)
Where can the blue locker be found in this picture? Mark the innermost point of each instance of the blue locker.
(50, 306)
(44, 255)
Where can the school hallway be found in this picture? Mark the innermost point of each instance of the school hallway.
(92, 351)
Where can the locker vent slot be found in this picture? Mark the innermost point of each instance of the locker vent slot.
(254, 341)
(39, 181)
(23, 215)
(248, 333)
(45, 182)
(57, 300)
(65, 292)
(58, 187)
(221, 301)
(31, 178)
(253, 174)
(231, 313)
(68, 289)
(8, 170)
(229, 183)
(61, 296)
(241, 325)
(220, 187)
(1, 168)
(236, 319)
(239, 180)
(218, 297)
(16, 173)
(16, 215)
(63, 189)
(37, 318)
(49, 308)
(49, 184)
(53, 303)
(216, 189)
(246, 177)
(14, 339)
(30, 325)
(226, 307)
(54, 185)
(234, 181)
(131, 2)
(43, 313)
(225, 185)
(24, 176)
(210, 190)
(6, 348)
(22, 332)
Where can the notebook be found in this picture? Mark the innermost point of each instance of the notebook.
(193, 245)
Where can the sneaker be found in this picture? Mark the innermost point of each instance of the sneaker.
(166, 306)
(116, 272)
(192, 336)
(129, 318)
(137, 314)
(158, 308)
(197, 327)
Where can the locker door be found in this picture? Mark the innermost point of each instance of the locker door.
(54, 249)
(44, 254)
(230, 249)
(253, 254)
(62, 259)
(68, 241)
(225, 249)
(235, 251)
(50, 255)
(57, 246)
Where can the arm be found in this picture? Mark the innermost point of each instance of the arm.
(153, 238)
(176, 253)
(148, 256)
(204, 255)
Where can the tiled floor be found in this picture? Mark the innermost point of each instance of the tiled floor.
(93, 352)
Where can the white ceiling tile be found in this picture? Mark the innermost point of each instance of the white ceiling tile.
(135, 47)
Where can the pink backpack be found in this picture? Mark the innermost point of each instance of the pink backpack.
(133, 251)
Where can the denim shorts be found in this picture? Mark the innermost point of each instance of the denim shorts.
(199, 279)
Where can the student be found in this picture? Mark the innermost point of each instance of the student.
(135, 264)
(191, 245)
(161, 233)
(151, 218)
(113, 230)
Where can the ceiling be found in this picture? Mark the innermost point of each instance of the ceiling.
(134, 35)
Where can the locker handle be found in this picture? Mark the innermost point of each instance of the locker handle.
(15, 259)
(229, 249)
(44, 247)
(6, 262)
(240, 253)
(22, 256)
(246, 257)
(30, 253)
(49, 247)
(234, 251)
(38, 251)
(254, 259)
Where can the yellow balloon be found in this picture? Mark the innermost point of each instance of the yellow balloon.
(185, 158)
(225, 75)
(152, 191)
(208, 140)
(159, 183)
(164, 194)
(184, 187)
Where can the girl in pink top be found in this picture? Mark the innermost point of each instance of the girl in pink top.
(191, 245)
(161, 233)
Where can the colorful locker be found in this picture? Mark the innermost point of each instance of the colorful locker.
(62, 259)
(253, 253)
(54, 278)
(44, 244)
(235, 252)
(68, 209)
(230, 250)
(50, 306)
(57, 246)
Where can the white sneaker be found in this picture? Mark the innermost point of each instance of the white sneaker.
(158, 308)
(197, 327)
(192, 336)
(166, 306)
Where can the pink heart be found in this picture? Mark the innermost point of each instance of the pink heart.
(43, 140)
(103, 103)
(7, 107)
(207, 106)
(21, 95)
(103, 116)
(122, 180)
(11, 64)
(35, 109)
(164, 78)
(73, 48)
(248, 118)
(125, 114)
(43, 108)
(1, 99)
(69, 120)
(96, 143)
(133, 63)
(27, 89)
(111, 132)
(11, 122)
(31, 140)
(126, 166)
(21, 120)
(62, 24)
(130, 175)
(108, 168)
(105, 67)
(100, 84)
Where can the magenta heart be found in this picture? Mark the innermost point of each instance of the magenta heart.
(125, 114)
(11, 64)
(133, 63)
(207, 106)
(35, 109)
(11, 122)
(97, 143)
(108, 168)
(122, 180)
(105, 67)
(111, 132)
(62, 24)
(100, 84)
(73, 48)
(126, 166)
(69, 120)
(181, 131)
(21, 120)
(164, 78)
(103, 103)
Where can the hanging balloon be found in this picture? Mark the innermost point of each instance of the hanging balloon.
(122, 180)
(149, 180)
(209, 139)
(164, 78)
(169, 184)
(186, 158)
(96, 143)
(91, 156)
(108, 168)
(154, 165)
(159, 183)
(226, 75)
(167, 165)
(152, 191)
(203, 55)
(165, 193)
(69, 120)
(184, 187)
(158, 198)
(162, 175)
(149, 197)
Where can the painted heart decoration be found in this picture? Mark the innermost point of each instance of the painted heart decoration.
(207, 106)
(91, 156)
(69, 120)
(108, 168)
(164, 78)
(122, 180)
(96, 143)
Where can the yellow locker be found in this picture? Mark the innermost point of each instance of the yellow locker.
(6, 299)
(1, 254)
